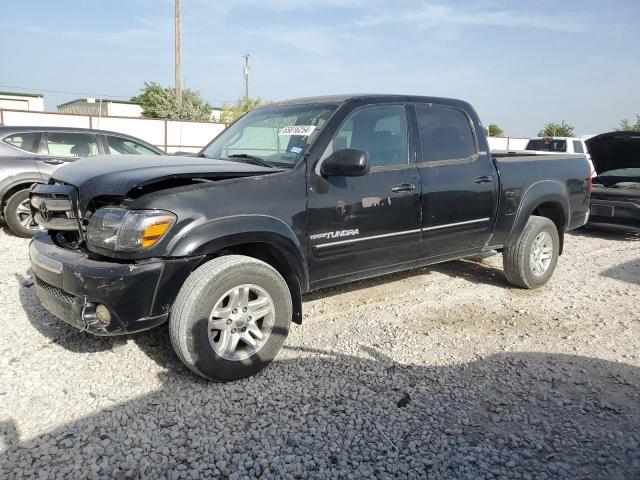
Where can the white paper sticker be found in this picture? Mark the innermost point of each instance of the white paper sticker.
(295, 150)
(300, 130)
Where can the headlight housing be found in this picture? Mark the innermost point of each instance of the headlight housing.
(119, 229)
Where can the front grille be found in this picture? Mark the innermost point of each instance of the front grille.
(53, 207)
(55, 291)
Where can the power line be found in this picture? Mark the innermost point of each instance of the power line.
(92, 94)
(64, 92)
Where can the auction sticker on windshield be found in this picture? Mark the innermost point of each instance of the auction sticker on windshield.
(301, 130)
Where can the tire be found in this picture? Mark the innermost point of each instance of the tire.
(192, 323)
(517, 260)
(15, 217)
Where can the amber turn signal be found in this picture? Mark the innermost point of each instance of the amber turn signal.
(154, 232)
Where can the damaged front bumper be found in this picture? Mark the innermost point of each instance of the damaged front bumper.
(137, 296)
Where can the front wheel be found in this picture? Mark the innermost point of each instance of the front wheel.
(531, 260)
(17, 214)
(231, 318)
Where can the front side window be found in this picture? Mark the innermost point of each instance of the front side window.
(276, 136)
(577, 146)
(445, 133)
(70, 144)
(27, 141)
(124, 146)
(381, 131)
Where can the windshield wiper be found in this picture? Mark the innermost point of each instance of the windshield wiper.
(251, 159)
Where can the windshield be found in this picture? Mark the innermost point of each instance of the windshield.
(277, 136)
(547, 145)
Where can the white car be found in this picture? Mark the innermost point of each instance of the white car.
(556, 145)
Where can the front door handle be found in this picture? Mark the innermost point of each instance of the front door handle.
(53, 161)
(483, 179)
(403, 187)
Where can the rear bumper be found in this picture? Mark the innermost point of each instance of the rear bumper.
(615, 212)
(138, 296)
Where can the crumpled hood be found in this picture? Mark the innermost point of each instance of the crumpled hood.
(116, 175)
(614, 150)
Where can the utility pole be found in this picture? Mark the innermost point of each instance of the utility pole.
(178, 54)
(246, 76)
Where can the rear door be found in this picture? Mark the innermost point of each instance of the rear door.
(59, 148)
(459, 183)
(17, 159)
(360, 225)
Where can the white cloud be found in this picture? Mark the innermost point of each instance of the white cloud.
(431, 15)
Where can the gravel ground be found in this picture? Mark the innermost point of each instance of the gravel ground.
(445, 372)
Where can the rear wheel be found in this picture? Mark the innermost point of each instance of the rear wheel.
(17, 215)
(531, 260)
(231, 318)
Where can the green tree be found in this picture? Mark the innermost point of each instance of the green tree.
(493, 130)
(553, 129)
(230, 113)
(626, 126)
(160, 102)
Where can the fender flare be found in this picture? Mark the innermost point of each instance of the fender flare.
(207, 238)
(28, 180)
(544, 191)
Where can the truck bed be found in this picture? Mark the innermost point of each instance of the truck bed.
(554, 178)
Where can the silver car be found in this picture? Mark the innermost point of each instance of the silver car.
(30, 155)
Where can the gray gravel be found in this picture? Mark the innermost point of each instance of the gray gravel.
(441, 373)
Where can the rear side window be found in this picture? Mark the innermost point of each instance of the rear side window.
(70, 144)
(547, 145)
(577, 146)
(27, 141)
(124, 146)
(445, 133)
(380, 131)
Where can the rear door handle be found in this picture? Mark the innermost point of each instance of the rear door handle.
(403, 187)
(53, 161)
(483, 179)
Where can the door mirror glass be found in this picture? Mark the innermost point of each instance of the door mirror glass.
(347, 162)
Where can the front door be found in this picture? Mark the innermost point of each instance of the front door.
(459, 183)
(60, 148)
(359, 226)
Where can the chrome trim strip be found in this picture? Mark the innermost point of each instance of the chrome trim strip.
(44, 262)
(372, 237)
(406, 232)
(467, 222)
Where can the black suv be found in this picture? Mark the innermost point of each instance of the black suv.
(31, 154)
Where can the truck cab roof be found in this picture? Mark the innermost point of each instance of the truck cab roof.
(370, 98)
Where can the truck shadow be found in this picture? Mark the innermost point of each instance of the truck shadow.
(607, 232)
(326, 414)
(628, 272)
(473, 271)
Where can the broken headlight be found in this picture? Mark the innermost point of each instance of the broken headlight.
(119, 229)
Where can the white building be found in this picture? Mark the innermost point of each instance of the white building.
(32, 102)
(101, 107)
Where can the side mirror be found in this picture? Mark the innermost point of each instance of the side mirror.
(348, 162)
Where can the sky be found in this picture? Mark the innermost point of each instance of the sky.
(520, 63)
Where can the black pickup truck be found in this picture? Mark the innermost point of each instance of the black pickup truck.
(292, 197)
